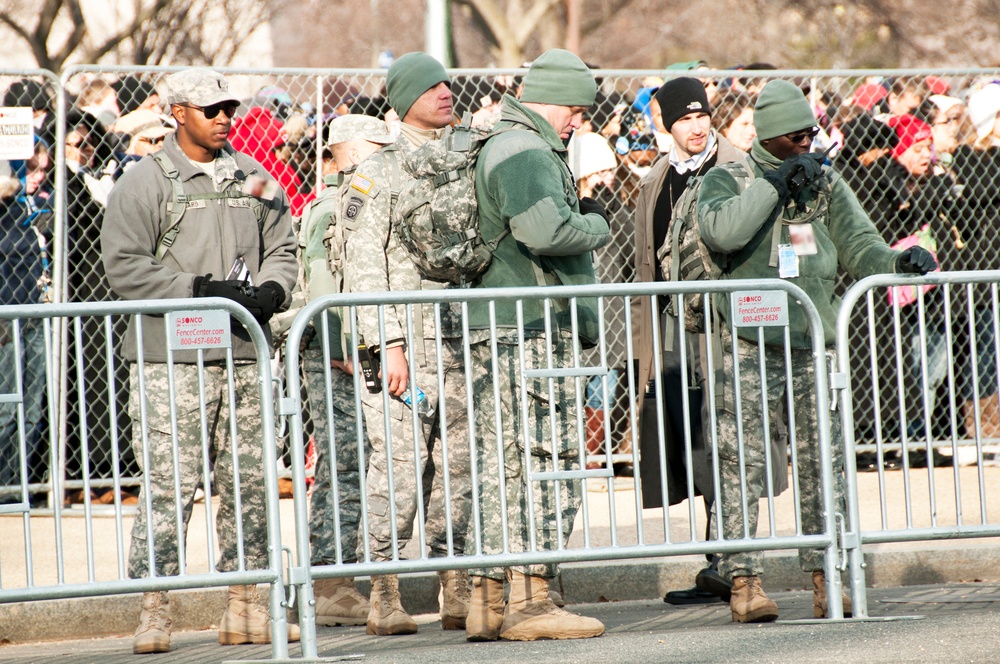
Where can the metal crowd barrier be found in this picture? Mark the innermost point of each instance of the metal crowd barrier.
(926, 373)
(63, 552)
(664, 538)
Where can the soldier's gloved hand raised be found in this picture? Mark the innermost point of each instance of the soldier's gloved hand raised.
(915, 260)
(270, 296)
(795, 173)
(588, 205)
(808, 169)
(778, 178)
(231, 290)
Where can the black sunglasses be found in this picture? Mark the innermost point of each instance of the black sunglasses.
(229, 108)
(800, 136)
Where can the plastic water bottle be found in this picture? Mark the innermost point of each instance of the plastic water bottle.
(424, 408)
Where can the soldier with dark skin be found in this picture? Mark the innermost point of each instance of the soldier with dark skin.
(220, 227)
(756, 233)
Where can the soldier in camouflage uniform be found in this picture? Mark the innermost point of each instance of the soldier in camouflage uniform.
(419, 91)
(221, 226)
(527, 197)
(352, 139)
(753, 231)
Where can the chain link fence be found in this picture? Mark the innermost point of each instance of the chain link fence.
(97, 121)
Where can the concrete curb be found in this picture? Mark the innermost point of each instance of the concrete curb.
(116, 615)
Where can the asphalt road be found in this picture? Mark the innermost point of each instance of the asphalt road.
(942, 623)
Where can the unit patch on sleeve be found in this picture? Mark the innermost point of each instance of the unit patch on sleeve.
(353, 207)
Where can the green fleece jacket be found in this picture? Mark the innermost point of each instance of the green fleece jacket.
(739, 226)
(523, 183)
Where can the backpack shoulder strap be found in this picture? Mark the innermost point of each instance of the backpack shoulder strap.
(741, 171)
(680, 214)
(396, 173)
(176, 206)
(179, 203)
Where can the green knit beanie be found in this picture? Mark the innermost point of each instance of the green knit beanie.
(561, 78)
(781, 109)
(410, 76)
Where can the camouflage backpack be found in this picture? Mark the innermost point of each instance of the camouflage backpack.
(435, 214)
(684, 256)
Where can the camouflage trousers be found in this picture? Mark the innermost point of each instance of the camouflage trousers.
(214, 415)
(539, 516)
(418, 462)
(336, 440)
(753, 397)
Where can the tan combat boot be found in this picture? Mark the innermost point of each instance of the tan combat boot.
(454, 598)
(153, 633)
(485, 610)
(530, 614)
(748, 602)
(339, 603)
(989, 420)
(819, 597)
(387, 615)
(247, 620)
(990, 410)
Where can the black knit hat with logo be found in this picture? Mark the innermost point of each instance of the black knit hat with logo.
(680, 96)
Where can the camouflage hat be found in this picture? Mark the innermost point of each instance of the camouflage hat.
(199, 86)
(358, 127)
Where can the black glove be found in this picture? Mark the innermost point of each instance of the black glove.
(270, 296)
(809, 168)
(588, 205)
(232, 289)
(777, 177)
(796, 173)
(915, 260)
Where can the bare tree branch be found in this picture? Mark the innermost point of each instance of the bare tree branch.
(95, 53)
(597, 19)
(529, 21)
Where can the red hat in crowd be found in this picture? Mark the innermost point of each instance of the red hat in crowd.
(869, 94)
(936, 85)
(910, 130)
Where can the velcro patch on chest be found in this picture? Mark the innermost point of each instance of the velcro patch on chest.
(362, 184)
(196, 205)
(238, 202)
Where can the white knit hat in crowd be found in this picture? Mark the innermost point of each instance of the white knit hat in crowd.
(944, 103)
(983, 108)
(590, 153)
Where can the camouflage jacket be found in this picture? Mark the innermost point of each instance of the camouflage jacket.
(374, 260)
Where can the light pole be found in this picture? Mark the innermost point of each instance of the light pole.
(436, 31)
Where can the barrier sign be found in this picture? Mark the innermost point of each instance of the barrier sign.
(17, 133)
(191, 330)
(759, 308)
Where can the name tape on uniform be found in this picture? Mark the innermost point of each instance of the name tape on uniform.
(759, 308)
(191, 330)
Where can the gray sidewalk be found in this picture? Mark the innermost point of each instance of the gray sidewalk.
(948, 622)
